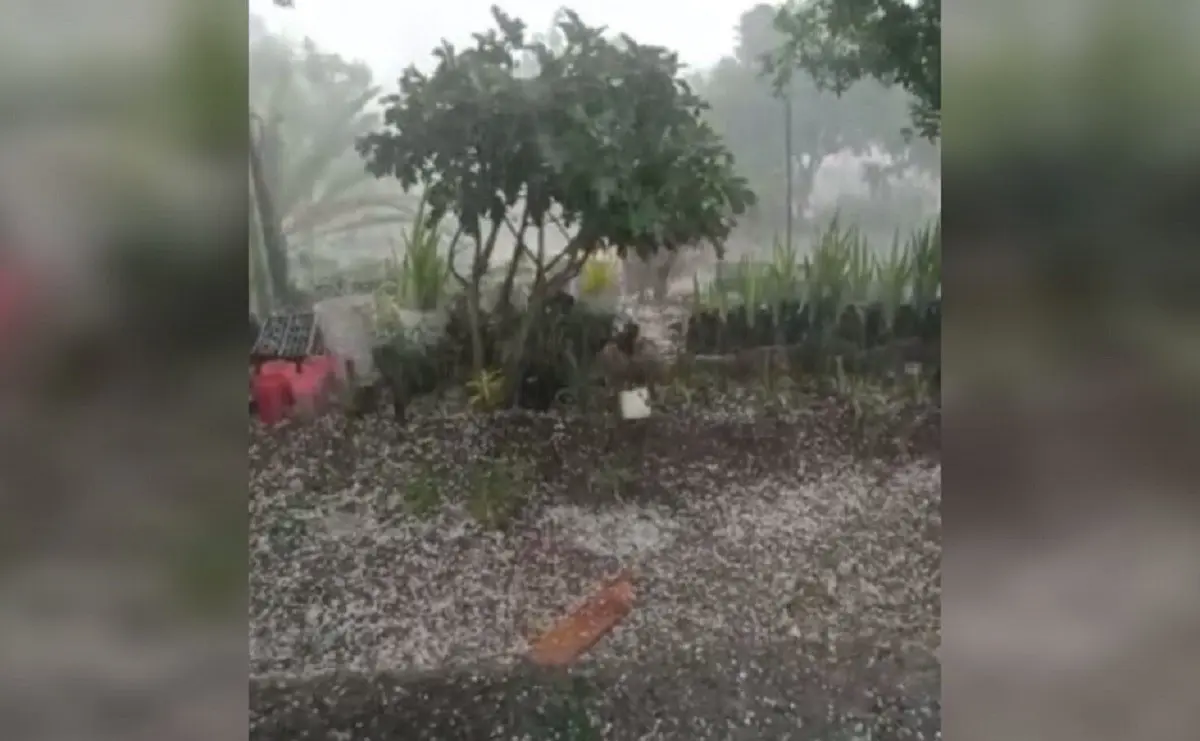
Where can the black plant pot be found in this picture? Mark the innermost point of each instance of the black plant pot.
(931, 322)
(826, 315)
(708, 332)
(764, 330)
(737, 330)
(541, 385)
(906, 323)
(796, 323)
(850, 326)
(874, 325)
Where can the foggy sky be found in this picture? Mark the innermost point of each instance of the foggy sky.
(391, 34)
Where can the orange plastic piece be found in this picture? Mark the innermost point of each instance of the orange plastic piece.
(584, 626)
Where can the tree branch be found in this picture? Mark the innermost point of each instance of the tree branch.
(514, 263)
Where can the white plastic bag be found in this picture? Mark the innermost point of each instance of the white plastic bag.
(635, 403)
(347, 332)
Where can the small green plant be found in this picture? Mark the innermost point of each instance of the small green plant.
(485, 392)
(598, 277)
(422, 493)
(612, 479)
(418, 280)
(425, 272)
(387, 300)
(566, 716)
(840, 267)
(683, 389)
(784, 276)
(751, 286)
(925, 246)
(579, 386)
(498, 491)
(710, 296)
(871, 406)
(895, 277)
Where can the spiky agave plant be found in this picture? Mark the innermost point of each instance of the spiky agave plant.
(894, 277)
(925, 246)
(827, 269)
(424, 270)
(752, 286)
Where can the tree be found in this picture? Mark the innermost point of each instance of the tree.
(838, 42)
(309, 107)
(314, 106)
(753, 116)
(267, 238)
(604, 141)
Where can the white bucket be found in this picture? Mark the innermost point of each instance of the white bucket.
(635, 403)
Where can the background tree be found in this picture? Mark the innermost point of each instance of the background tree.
(839, 42)
(604, 141)
(309, 107)
(749, 110)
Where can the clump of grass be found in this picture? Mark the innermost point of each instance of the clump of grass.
(567, 716)
(872, 407)
(612, 480)
(499, 490)
(423, 493)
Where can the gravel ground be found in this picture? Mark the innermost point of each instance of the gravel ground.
(787, 569)
(784, 573)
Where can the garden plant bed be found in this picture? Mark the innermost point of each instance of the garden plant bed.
(786, 572)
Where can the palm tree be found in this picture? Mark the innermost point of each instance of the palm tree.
(266, 232)
(309, 182)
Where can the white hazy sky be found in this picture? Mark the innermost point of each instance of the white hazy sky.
(391, 34)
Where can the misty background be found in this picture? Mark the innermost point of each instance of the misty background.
(317, 71)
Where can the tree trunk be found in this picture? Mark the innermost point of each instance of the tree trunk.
(260, 275)
(274, 241)
(662, 275)
(476, 327)
(791, 175)
(504, 303)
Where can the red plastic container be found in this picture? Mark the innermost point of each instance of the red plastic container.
(305, 386)
(16, 298)
(272, 396)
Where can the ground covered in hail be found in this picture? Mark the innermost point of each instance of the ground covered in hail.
(786, 564)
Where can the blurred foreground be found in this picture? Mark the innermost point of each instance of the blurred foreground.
(1070, 596)
(122, 544)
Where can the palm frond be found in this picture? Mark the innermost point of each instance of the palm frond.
(333, 139)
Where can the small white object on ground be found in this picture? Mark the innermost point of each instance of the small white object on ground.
(347, 332)
(635, 403)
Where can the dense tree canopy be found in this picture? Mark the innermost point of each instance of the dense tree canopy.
(839, 42)
(603, 137)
